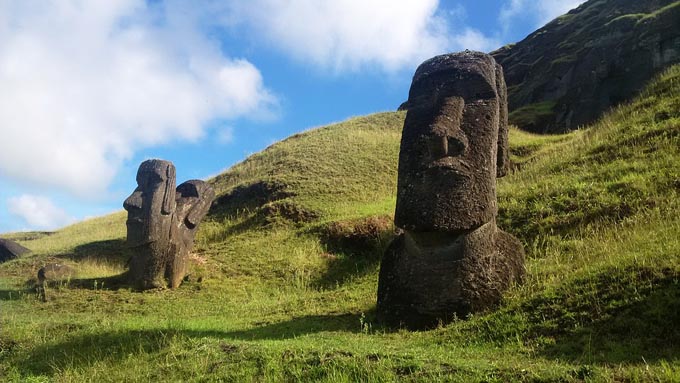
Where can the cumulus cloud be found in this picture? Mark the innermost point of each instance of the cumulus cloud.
(83, 84)
(474, 40)
(225, 135)
(348, 35)
(38, 211)
(539, 12)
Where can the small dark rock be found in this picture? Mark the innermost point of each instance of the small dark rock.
(10, 250)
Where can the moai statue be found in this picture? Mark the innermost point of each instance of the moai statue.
(451, 259)
(193, 202)
(155, 226)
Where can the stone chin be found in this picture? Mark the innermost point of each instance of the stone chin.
(137, 234)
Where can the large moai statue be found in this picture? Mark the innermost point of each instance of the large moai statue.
(161, 224)
(451, 259)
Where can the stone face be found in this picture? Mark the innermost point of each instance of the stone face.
(151, 205)
(10, 250)
(161, 224)
(449, 146)
(451, 259)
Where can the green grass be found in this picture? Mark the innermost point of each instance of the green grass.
(532, 115)
(668, 8)
(281, 292)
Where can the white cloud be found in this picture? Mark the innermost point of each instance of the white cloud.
(225, 135)
(84, 84)
(348, 35)
(539, 12)
(474, 40)
(38, 212)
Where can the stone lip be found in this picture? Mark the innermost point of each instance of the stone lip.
(10, 250)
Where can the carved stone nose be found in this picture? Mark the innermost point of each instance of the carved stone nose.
(445, 146)
(134, 201)
(439, 147)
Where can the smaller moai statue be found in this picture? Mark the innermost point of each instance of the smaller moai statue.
(451, 259)
(52, 272)
(193, 198)
(161, 224)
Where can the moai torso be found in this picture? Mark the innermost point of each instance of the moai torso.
(454, 144)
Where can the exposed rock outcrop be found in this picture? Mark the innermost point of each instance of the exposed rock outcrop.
(567, 73)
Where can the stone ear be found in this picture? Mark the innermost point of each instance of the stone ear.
(200, 209)
(503, 158)
(169, 194)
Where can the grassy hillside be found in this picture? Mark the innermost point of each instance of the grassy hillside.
(285, 271)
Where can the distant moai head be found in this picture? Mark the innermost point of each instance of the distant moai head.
(151, 205)
(454, 144)
(193, 198)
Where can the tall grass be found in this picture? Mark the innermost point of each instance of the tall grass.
(273, 298)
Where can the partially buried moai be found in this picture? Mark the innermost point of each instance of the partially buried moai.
(161, 224)
(451, 259)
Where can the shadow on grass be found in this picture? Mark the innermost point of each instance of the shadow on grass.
(638, 324)
(296, 327)
(343, 268)
(15, 295)
(114, 282)
(111, 250)
(87, 350)
(355, 247)
(81, 351)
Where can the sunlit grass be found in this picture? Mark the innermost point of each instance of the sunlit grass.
(271, 298)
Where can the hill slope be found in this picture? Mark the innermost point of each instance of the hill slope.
(286, 270)
(569, 72)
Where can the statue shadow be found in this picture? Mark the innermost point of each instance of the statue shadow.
(642, 331)
(80, 351)
(86, 350)
(344, 267)
(15, 295)
(114, 282)
(112, 250)
(296, 327)
(354, 253)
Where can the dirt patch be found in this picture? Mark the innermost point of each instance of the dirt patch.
(284, 210)
(359, 235)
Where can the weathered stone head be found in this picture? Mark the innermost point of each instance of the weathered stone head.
(161, 224)
(454, 144)
(193, 199)
(451, 259)
(151, 205)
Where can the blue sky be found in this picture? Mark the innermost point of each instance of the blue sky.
(89, 89)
